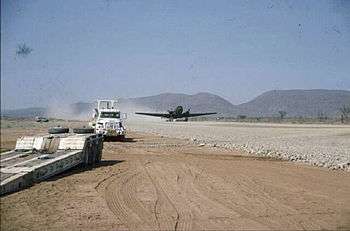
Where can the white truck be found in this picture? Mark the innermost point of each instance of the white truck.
(108, 120)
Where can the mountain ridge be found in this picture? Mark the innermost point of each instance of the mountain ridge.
(296, 102)
(309, 103)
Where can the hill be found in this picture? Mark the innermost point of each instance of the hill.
(201, 102)
(307, 103)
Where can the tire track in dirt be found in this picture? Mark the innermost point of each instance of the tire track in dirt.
(213, 213)
(121, 198)
(196, 210)
(249, 192)
(212, 185)
(164, 209)
(166, 177)
(111, 197)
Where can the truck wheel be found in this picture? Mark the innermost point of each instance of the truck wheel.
(83, 130)
(58, 130)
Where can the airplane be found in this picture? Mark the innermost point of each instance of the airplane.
(176, 114)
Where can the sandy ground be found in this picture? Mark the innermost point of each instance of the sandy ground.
(323, 145)
(157, 183)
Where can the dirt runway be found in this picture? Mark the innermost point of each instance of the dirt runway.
(157, 183)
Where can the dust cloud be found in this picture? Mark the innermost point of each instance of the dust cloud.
(130, 108)
(68, 112)
(85, 111)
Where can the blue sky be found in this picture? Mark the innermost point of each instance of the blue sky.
(84, 50)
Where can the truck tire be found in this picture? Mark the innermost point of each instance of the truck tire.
(58, 130)
(83, 130)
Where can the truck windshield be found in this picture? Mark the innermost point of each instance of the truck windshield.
(110, 115)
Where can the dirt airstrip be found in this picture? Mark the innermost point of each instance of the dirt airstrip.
(156, 183)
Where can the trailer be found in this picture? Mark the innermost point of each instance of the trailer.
(36, 158)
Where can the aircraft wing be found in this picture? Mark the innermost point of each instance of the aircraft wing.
(166, 115)
(200, 114)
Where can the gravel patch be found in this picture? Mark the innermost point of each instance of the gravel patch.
(318, 145)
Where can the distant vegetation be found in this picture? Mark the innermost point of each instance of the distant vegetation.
(277, 119)
(241, 117)
(282, 114)
(345, 113)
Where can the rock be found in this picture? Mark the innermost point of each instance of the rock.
(335, 167)
(344, 166)
(201, 144)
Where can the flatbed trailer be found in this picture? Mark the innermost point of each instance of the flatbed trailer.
(37, 158)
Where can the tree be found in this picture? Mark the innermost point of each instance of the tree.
(282, 114)
(321, 116)
(345, 113)
(23, 50)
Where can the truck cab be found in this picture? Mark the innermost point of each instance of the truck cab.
(108, 119)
